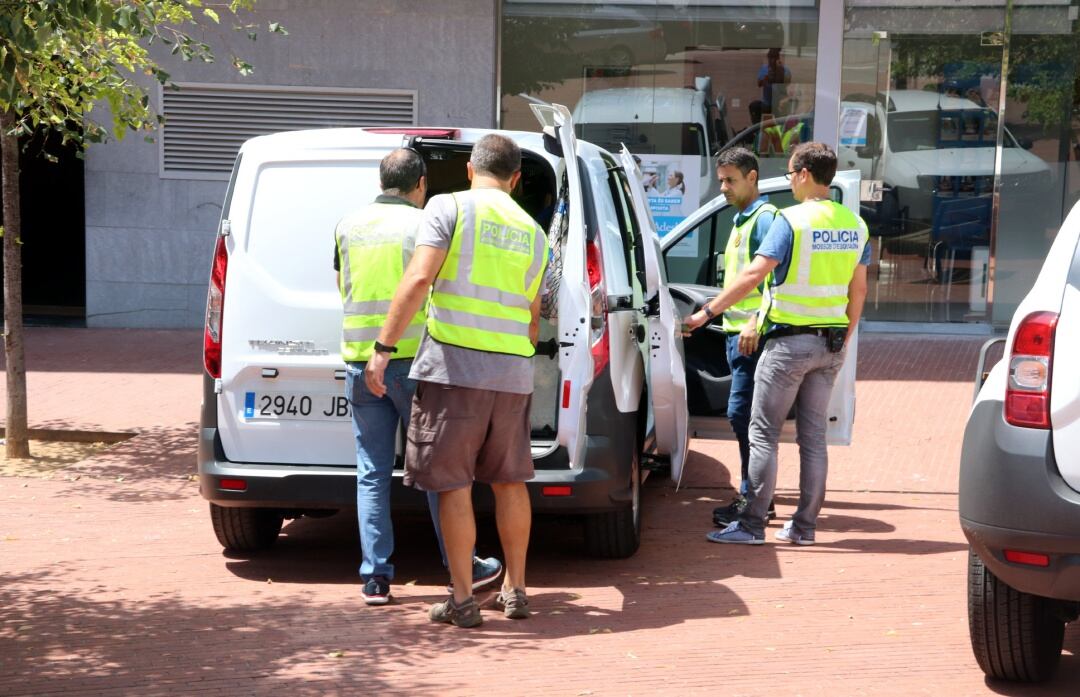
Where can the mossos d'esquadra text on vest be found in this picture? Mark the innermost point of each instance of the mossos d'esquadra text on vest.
(835, 240)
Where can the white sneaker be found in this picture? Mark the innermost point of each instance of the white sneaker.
(788, 533)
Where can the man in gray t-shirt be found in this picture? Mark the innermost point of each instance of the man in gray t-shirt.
(453, 365)
(470, 417)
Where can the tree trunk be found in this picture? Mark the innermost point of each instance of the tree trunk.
(17, 443)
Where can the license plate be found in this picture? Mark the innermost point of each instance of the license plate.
(295, 406)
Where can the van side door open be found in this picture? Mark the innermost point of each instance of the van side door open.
(574, 300)
(666, 369)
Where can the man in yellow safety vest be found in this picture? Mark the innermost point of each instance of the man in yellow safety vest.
(817, 252)
(737, 170)
(483, 258)
(371, 250)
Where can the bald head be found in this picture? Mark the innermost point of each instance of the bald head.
(400, 172)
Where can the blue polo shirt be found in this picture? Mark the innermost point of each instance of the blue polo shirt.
(761, 225)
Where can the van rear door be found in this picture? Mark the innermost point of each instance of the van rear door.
(281, 398)
(574, 302)
(667, 370)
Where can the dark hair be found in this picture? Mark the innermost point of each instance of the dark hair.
(739, 157)
(400, 171)
(816, 157)
(497, 156)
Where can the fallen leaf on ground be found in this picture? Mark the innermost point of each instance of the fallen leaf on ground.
(269, 580)
(891, 632)
(335, 654)
(733, 611)
(599, 630)
(411, 583)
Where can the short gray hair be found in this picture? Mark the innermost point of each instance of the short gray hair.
(497, 156)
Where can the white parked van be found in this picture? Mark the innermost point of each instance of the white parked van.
(276, 440)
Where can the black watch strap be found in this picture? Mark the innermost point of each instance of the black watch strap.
(383, 348)
(708, 311)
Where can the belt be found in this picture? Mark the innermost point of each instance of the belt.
(792, 331)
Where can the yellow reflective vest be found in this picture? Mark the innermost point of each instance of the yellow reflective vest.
(827, 245)
(374, 247)
(737, 258)
(482, 296)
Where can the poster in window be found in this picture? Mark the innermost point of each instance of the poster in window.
(672, 187)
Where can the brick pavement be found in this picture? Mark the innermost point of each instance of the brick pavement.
(118, 587)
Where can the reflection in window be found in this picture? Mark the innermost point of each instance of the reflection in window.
(675, 81)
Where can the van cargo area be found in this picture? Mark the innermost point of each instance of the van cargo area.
(536, 193)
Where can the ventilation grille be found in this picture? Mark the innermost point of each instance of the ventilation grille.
(205, 125)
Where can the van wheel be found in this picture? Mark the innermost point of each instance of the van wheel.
(1015, 636)
(245, 529)
(617, 535)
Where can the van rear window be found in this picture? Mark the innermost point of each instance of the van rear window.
(294, 212)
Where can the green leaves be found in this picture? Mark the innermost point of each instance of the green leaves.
(61, 58)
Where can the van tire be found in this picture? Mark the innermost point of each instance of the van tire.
(617, 535)
(245, 529)
(1015, 635)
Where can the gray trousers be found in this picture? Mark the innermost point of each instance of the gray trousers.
(795, 370)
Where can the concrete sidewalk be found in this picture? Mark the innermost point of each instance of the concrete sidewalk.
(112, 581)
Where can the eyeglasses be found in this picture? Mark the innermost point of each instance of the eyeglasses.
(788, 175)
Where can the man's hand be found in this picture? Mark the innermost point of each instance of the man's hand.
(748, 340)
(375, 373)
(693, 322)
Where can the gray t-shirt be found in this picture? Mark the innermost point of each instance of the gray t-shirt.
(455, 365)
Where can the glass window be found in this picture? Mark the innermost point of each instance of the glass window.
(675, 80)
(932, 75)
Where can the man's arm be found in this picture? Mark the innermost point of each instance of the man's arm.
(751, 277)
(408, 299)
(534, 323)
(856, 299)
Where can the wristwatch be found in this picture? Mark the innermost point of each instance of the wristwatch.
(383, 348)
(708, 311)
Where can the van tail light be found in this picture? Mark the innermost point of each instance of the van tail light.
(215, 306)
(1027, 396)
(599, 342)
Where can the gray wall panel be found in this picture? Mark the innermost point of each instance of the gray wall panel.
(149, 240)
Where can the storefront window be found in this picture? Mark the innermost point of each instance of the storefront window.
(676, 82)
(921, 114)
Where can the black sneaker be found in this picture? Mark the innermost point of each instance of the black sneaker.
(376, 591)
(724, 515)
(465, 615)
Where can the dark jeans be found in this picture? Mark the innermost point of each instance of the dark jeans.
(740, 400)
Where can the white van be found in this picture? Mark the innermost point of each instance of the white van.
(276, 440)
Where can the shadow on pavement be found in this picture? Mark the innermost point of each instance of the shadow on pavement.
(55, 636)
(156, 465)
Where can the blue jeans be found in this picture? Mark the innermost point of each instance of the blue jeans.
(740, 400)
(797, 370)
(375, 424)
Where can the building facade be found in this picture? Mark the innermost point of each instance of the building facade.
(964, 117)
